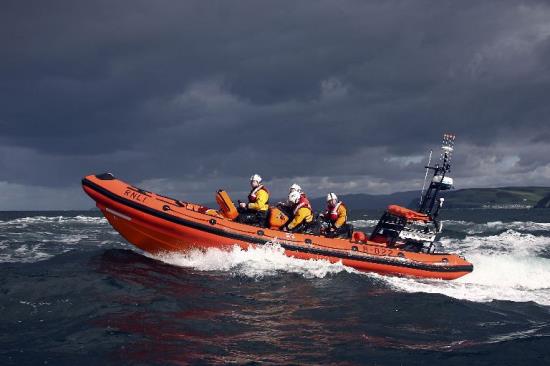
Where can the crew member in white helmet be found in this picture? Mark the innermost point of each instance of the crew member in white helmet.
(255, 211)
(302, 214)
(335, 217)
(295, 188)
(286, 207)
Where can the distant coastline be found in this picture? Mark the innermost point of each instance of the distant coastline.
(470, 198)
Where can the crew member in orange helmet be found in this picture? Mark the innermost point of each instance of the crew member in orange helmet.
(336, 217)
(255, 211)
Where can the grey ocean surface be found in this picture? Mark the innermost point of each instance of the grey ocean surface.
(73, 292)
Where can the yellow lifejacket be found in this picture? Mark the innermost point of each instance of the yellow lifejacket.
(258, 199)
(302, 214)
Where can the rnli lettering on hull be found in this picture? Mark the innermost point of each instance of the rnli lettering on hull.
(135, 196)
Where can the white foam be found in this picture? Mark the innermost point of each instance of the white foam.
(510, 241)
(519, 225)
(44, 237)
(25, 221)
(491, 226)
(495, 226)
(364, 223)
(25, 254)
(71, 239)
(257, 262)
(458, 222)
(506, 267)
(502, 277)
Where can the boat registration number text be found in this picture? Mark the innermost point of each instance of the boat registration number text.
(378, 251)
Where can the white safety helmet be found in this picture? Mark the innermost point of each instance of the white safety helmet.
(332, 196)
(293, 197)
(295, 188)
(256, 177)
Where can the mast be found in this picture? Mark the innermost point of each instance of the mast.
(440, 180)
(425, 178)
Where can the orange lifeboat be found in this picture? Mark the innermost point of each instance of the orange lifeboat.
(159, 224)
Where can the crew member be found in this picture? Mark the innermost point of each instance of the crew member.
(287, 206)
(335, 218)
(302, 213)
(295, 188)
(255, 211)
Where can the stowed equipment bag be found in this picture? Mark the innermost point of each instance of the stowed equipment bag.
(277, 218)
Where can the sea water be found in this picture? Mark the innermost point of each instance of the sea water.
(74, 292)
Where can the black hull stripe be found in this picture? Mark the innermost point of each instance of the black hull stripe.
(285, 245)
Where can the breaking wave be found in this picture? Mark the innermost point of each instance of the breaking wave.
(37, 238)
(507, 266)
(496, 226)
(507, 242)
(259, 262)
(80, 219)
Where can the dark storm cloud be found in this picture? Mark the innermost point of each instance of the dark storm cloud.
(329, 93)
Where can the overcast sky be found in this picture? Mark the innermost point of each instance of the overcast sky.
(185, 97)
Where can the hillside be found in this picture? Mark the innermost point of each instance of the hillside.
(506, 197)
(544, 203)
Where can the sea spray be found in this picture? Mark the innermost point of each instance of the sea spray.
(258, 262)
(506, 267)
